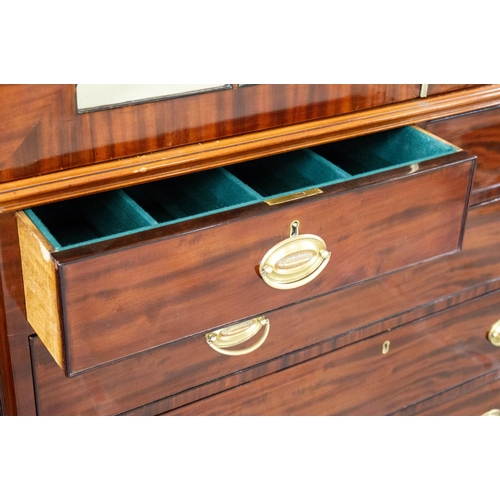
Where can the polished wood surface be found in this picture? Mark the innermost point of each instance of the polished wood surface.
(43, 158)
(473, 398)
(361, 380)
(478, 133)
(17, 378)
(434, 88)
(57, 184)
(42, 131)
(408, 295)
(213, 270)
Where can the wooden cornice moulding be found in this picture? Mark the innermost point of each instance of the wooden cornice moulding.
(114, 174)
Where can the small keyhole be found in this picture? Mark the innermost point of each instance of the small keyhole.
(294, 228)
(385, 347)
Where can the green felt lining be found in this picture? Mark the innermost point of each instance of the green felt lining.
(386, 150)
(288, 173)
(79, 221)
(185, 197)
(98, 217)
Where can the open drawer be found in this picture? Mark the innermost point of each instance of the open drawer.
(116, 273)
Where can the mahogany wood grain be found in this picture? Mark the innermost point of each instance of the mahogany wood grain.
(150, 288)
(382, 303)
(28, 134)
(97, 174)
(15, 362)
(472, 398)
(478, 133)
(434, 88)
(43, 132)
(424, 358)
(5, 369)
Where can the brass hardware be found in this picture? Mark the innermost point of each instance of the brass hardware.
(220, 340)
(294, 228)
(492, 413)
(424, 89)
(385, 346)
(494, 334)
(295, 261)
(294, 196)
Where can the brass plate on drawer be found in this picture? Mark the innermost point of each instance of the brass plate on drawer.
(294, 262)
(492, 413)
(294, 196)
(220, 340)
(494, 334)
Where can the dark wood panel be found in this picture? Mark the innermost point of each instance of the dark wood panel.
(213, 270)
(475, 403)
(7, 398)
(138, 380)
(20, 139)
(42, 131)
(434, 88)
(478, 133)
(97, 177)
(424, 358)
(473, 398)
(15, 363)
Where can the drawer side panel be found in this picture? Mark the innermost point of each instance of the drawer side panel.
(40, 286)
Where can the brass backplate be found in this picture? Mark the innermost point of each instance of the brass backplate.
(294, 196)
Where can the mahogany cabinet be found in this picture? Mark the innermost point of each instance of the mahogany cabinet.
(262, 249)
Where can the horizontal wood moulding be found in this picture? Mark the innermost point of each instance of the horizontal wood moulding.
(99, 177)
(43, 132)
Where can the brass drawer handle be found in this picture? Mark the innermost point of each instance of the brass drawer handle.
(494, 334)
(220, 340)
(295, 261)
(492, 413)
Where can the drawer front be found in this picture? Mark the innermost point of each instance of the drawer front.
(377, 376)
(112, 299)
(484, 399)
(189, 363)
(478, 133)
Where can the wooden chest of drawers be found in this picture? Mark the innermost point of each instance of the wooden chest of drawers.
(350, 269)
(142, 292)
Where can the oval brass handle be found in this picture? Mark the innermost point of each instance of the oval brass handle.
(221, 339)
(494, 334)
(492, 413)
(294, 262)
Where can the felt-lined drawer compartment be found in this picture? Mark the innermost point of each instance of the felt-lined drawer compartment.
(184, 255)
(104, 216)
(89, 219)
(340, 161)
